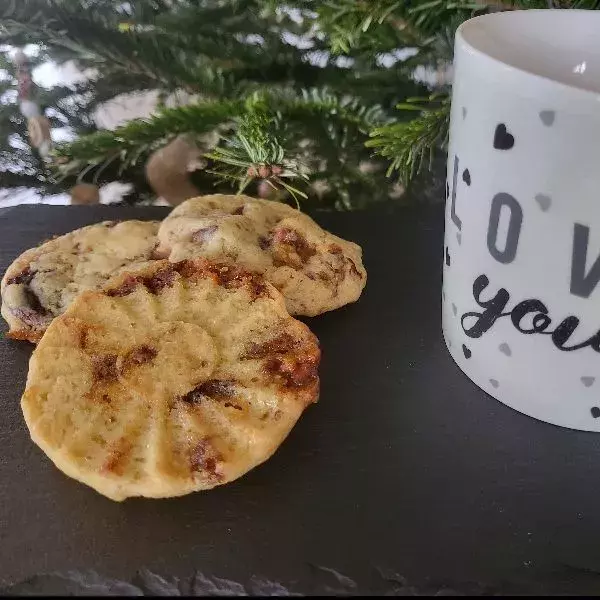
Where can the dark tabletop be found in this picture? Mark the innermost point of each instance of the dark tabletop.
(404, 478)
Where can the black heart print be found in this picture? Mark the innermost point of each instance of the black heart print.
(447, 257)
(466, 352)
(502, 139)
(467, 177)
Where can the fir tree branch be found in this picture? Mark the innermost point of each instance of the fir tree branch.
(256, 151)
(140, 136)
(352, 24)
(99, 37)
(410, 145)
(272, 138)
(414, 22)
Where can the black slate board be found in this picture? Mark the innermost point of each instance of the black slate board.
(405, 478)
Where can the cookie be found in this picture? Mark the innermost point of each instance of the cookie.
(41, 283)
(175, 378)
(315, 270)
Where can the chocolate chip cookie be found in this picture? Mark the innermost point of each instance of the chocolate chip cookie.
(315, 270)
(42, 282)
(175, 378)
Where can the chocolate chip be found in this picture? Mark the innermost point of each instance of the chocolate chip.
(258, 288)
(35, 303)
(295, 240)
(111, 224)
(203, 457)
(31, 317)
(104, 367)
(213, 388)
(24, 277)
(225, 275)
(127, 287)
(116, 459)
(296, 372)
(205, 234)
(239, 210)
(264, 242)
(83, 337)
(335, 249)
(353, 268)
(34, 314)
(232, 277)
(163, 278)
(140, 355)
(280, 345)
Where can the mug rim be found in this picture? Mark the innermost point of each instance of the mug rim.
(473, 49)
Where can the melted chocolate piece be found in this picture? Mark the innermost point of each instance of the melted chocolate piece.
(231, 405)
(160, 280)
(296, 372)
(228, 276)
(204, 458)
(280, 345)
(297, 241)
(34, 314)
(127, 287)
(24, 277)
(232, 277)
(31, 317)
(105, 367)
(213, 388)
(140, 355)
(117, 457)
(34, 303)
(353, 268)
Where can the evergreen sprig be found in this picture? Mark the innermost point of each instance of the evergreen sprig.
(269, 139)
(257, 152)
(139, 137)
(106, 40)
(410, 144)
(351, 24)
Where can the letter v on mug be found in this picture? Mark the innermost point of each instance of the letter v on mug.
(522, 288)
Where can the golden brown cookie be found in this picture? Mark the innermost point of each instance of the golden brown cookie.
(315, 270)
(42, 282)
(175, 378)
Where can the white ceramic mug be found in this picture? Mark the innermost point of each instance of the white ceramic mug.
(521, 296)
